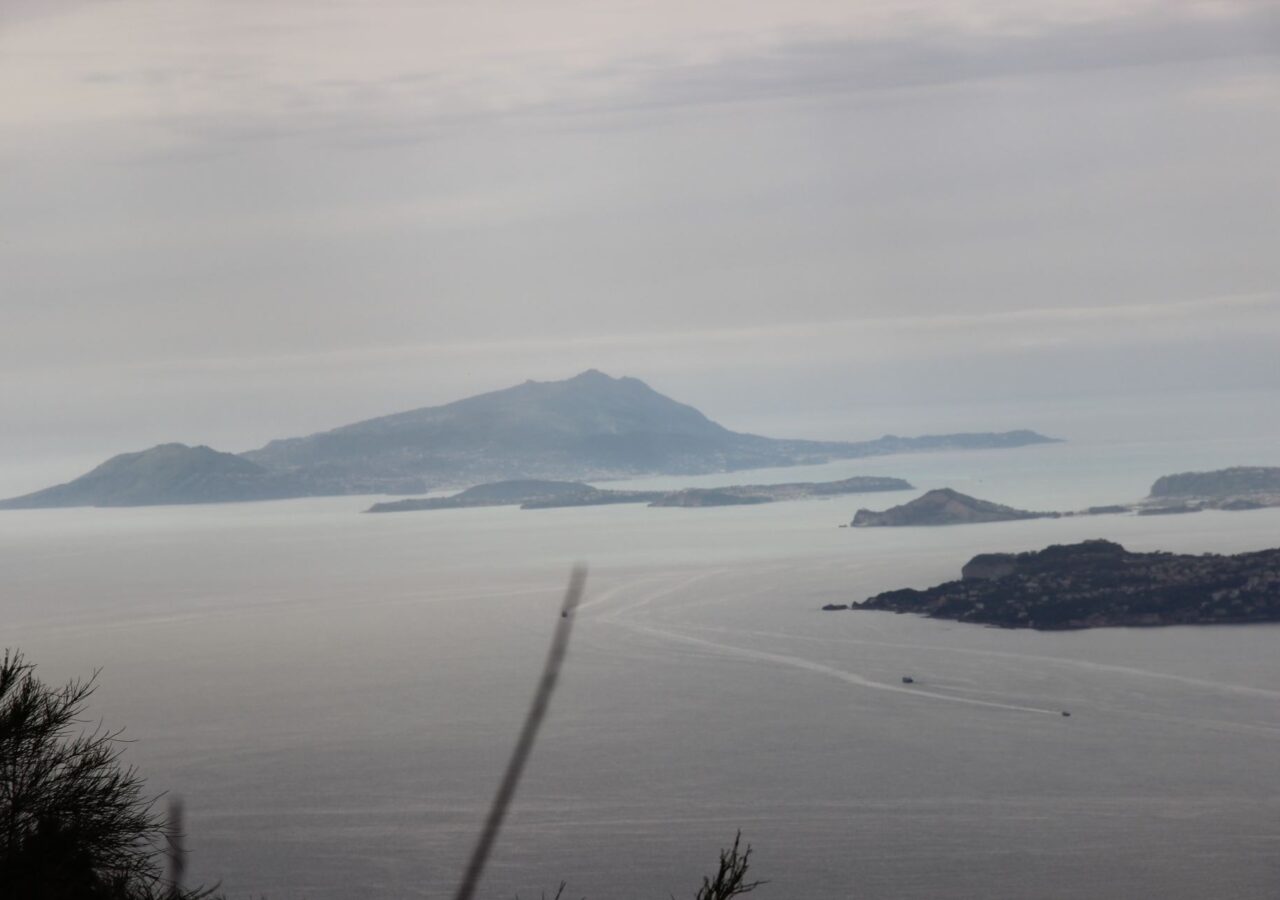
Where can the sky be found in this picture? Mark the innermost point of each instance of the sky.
(226, 222)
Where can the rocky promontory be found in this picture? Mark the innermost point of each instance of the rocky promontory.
(1099, 583)
(944, 506)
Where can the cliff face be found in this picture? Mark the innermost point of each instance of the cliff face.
(989, 566)
(1097, 583)
(943, 507)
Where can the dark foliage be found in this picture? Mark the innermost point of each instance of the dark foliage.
(731, 876)
(1097, 583)
(74, 821)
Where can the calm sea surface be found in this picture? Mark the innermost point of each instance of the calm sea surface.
(334, 694)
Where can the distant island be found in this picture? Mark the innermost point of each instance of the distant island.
(1099, 583)
(1239, 488)
(944, 506)
(587, 428)
(534, 494)
(769, 493)
(516, 492)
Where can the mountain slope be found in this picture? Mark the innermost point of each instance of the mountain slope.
(585, 428)
(165, 474)
(588, 427)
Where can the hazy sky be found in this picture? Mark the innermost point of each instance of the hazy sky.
(229, 221)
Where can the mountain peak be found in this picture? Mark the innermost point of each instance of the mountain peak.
(585, 427)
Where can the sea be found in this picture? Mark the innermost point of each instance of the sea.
(334, 695)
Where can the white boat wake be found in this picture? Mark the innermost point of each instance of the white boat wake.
(624, 616)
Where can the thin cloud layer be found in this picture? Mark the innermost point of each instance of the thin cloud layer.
(284, 67)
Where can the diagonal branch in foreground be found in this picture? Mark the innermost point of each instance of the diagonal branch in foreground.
(528, 733)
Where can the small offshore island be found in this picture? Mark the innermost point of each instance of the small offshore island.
(944, 506)
(1230, 490)
(1098, 583)
(538, 494)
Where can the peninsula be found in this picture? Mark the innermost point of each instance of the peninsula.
(586, 428)
(1099, 583)
(551, 494)
(1237, 488)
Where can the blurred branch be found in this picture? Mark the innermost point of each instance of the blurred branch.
(175, 851)
(524, 745)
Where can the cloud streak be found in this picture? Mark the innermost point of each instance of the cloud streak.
(257, 71)
(873, 337)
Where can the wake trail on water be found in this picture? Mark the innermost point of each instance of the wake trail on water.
(623, 617)
(647, 600)
(1084, 664)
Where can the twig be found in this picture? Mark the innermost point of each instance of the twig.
(175, 851)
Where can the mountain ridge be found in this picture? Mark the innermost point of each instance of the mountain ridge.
(590, 427)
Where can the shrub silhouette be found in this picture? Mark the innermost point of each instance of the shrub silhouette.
(74, 821)
(730, 879)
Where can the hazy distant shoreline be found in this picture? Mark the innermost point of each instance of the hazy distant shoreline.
(586, 428)
(559, 494)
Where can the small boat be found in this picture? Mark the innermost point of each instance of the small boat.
(907, 679)
(1066, 713)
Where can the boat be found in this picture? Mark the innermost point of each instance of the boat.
(907, 679)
